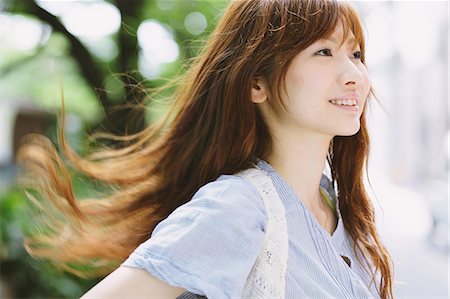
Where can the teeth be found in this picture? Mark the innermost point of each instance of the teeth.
(345, 102)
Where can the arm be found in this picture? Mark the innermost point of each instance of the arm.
(127, 282)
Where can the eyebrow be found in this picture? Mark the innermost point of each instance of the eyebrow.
(351, 41)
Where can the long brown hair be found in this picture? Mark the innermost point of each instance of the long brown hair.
(213, 128)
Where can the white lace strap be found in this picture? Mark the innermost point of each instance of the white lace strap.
(267, 277)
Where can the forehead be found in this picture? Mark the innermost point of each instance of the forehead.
(341, 36)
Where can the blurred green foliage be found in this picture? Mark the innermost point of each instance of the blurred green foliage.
(52, 65)
(24, 276)
(35, 76)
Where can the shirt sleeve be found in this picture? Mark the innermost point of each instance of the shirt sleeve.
(208, 246)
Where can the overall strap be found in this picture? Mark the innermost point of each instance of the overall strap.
(267, 277)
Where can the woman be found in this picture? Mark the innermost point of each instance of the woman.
(282, 84)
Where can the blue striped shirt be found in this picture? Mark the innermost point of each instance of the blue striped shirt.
(209, 245)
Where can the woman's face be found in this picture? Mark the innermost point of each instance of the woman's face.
(327, 87)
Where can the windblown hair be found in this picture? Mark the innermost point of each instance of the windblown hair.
(213, 128)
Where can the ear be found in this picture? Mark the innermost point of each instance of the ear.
(259, 91)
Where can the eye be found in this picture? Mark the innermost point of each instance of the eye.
(357, 55)
(327, 52)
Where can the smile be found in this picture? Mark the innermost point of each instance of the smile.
(346, 105)
(346, 102)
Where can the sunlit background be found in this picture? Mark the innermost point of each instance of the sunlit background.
(408, 61)
(407, 56)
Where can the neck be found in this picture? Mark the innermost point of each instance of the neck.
(300, 160)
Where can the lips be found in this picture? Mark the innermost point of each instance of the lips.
(344, 102)
(347, 108)
(349, 102)
(349, 98)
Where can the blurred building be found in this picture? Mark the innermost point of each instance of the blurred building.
(18, 118)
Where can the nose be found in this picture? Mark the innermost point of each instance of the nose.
(350, 74)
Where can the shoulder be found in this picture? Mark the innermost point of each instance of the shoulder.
(208, 245)
(228, 183)
(229, 191)
(228, 204)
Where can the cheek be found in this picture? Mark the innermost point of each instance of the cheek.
(366, 81)
(319, 77)
(307, 74)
